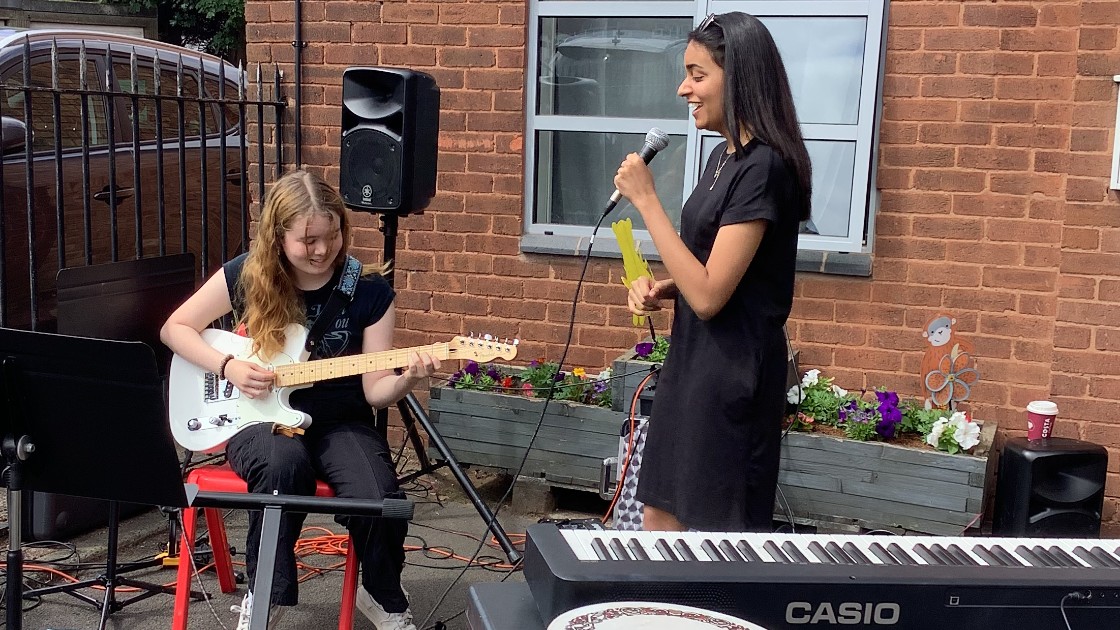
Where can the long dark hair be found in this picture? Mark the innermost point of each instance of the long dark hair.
(756, 92)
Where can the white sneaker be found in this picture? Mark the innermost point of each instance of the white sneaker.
(246, 609)
(383, 620)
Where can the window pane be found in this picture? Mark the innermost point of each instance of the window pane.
(575, 176)
(69, 107)
(833, 168)
(617, 67)
(824, 60)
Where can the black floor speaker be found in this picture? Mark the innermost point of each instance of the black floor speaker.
(1052, 487)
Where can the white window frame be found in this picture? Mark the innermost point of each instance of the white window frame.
(864, 132)
(1115, 179)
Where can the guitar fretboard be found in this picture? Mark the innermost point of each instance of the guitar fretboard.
(323, 369)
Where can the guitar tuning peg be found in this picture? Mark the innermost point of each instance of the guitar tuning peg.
(516, 341)
(488, 337)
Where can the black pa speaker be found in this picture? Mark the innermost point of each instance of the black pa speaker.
(1052, 487)
(390, 125)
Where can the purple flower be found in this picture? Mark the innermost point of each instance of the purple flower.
(534, 363)
(643, 349)
(455, 378)
(887, 398)
(493, 373)
(472, 368)
(559, 376)
(601, 386)
(887, 426)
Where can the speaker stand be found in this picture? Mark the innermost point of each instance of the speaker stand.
(412, 412)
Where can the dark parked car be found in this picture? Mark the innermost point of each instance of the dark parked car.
(96, 193)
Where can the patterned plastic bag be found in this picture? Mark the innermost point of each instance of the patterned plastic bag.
(628, 510)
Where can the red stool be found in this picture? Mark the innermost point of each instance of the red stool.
(223, 479)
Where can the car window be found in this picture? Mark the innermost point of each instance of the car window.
(42, 103)
(230, 94)
(146, 110)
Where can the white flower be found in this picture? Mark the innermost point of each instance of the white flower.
(935, 432)
(796, 395)
(839, 391)
(604, 375)
(967, 434)
(811, 378)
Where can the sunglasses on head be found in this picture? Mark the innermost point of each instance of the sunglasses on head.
(708, 21)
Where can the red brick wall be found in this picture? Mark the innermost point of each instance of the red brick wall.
(996, 147)
(994, 157)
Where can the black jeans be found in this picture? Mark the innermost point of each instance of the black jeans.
(354, 459)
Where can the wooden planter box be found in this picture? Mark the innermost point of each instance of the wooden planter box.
(628, 371)
(848, 484)
(489, 429)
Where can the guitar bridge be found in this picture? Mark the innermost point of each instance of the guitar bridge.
(210, 387)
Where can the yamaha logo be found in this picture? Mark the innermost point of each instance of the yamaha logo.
(367, 193)
(844, 613)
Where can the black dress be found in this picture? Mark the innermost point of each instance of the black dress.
(711, 453)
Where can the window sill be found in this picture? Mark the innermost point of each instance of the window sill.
(832, 263)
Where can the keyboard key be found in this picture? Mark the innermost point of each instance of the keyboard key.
(772, 549)
(883, 554)
(962, 556)
(903, 557)
(748, 551)
(600, 549)
(793, 552)
(664, 549)
(637, 550)
(728, 550)
(855, 554)
(619, 550)
(684, 551)
(838, 553)
(818, 551)
(710, 548)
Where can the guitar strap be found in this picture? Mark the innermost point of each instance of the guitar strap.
(339, 298)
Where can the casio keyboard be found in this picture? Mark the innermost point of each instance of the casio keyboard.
(826, 581)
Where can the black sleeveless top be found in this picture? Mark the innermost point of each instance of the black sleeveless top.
(340, 399)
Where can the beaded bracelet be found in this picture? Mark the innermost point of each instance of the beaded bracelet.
(222, 367)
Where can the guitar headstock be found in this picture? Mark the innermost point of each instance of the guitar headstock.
(484, 348)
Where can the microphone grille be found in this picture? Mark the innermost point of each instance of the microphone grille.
(657, 139)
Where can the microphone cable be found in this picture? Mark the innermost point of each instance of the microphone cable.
(540, 422)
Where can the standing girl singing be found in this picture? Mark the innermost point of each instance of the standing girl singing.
(711, 454)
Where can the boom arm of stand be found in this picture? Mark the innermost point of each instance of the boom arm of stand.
(383, 508)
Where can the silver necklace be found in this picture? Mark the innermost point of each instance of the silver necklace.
(720, 163)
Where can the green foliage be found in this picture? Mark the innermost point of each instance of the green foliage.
(823, 405)
(215, 26)
(535, 381)
(654, 351)
(917, 419)
(860, 420)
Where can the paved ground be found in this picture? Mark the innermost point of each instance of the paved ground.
(444, 520)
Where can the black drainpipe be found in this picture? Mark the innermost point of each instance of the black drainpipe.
(298, 44)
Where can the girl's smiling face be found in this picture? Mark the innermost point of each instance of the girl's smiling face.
(703, 88)
(311, 246)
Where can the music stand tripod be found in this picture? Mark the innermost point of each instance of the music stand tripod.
(412, 412)
(66, 403)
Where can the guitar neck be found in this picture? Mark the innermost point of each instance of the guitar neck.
(324, 369)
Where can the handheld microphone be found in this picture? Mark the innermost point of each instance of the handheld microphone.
(655, 141)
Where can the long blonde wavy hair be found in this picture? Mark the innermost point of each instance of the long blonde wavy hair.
(271, 300)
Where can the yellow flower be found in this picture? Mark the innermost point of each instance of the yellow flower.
(580, 372)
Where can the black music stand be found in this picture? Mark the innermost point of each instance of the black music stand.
(76, 400)
(128, 301)
(412, 412)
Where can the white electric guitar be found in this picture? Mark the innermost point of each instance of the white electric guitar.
(206, 411)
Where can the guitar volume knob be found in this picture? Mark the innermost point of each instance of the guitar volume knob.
(193, 424)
